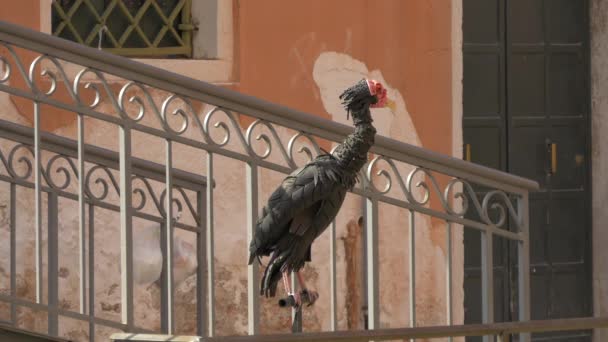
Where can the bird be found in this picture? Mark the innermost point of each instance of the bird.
(309, 198)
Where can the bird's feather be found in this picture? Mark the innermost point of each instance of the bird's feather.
(294, 198)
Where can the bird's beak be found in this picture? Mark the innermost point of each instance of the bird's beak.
(391, 105)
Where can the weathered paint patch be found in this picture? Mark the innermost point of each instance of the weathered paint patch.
(334, 72)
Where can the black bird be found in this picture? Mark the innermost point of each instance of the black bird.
(308, 200)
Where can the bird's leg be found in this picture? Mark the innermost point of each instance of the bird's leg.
(290, 292)
(312, 295)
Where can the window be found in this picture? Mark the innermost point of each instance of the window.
(212, 56)
(134, 28)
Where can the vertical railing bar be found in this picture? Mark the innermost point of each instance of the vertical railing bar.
(448, 276)
(503, 337)
(13, 242)
(126, 228)
(209, 248)
(371, 230)
(412, 268)
(332, 277)
(168, 269)
(81, 213)
(253, 269)
(53, 268)
(294, 288)
(487, 279)
(523, 256)
(91, 253)
(164, 300)
(38, 202)
(201, 269)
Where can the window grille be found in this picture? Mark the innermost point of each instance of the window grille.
(134, 28)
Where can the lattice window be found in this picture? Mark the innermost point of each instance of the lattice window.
(135, 28)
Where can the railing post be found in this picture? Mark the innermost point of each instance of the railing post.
(53, 264)
(253, 269)
(202, 268)
(81, 215)
(523, 257)
(167, 244)
(333, 323)
(126, 228)
(210, 248)
(412, 268)
(296, 314)
(448, 275)
(38, 201)
(91, 252)
(487, 279)
(371, 231)
(13, 229)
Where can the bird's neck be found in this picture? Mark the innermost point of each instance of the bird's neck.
(352, 153)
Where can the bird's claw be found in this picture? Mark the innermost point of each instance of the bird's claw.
(297, 299)
(312, 296)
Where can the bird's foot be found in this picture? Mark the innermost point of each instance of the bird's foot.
(297, 299)
(311, 295)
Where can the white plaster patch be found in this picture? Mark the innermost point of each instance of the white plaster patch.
(333, 72)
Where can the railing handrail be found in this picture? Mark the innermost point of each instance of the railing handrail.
(99, 155)
(38, 336)
(507, 328)
(238, 102)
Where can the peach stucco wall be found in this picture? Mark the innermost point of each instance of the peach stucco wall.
(409, 41)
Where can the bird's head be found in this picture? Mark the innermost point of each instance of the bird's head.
(364, 95)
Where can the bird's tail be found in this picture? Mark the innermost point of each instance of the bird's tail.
(272, 275)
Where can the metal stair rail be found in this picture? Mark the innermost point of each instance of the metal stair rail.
(502, 331)
(61, 178)
(261, 135)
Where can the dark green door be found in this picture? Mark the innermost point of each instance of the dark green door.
(526, 111)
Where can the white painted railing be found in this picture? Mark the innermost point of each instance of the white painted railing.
(475, 197)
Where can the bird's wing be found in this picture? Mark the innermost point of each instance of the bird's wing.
(296, 200)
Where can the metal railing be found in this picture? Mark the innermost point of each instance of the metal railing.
(502, 331)
(59, 181)
(149, 28)
(415, 180)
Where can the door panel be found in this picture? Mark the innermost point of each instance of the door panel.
(529, 151)
(567, 244)
(538, 219)
(539, 291)
(482, 29)
(527, 81)
(526, 67)
(483, 90)
(570, 140)
(566, 20)
(491, 138)
(529, 28)
(566, 85)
